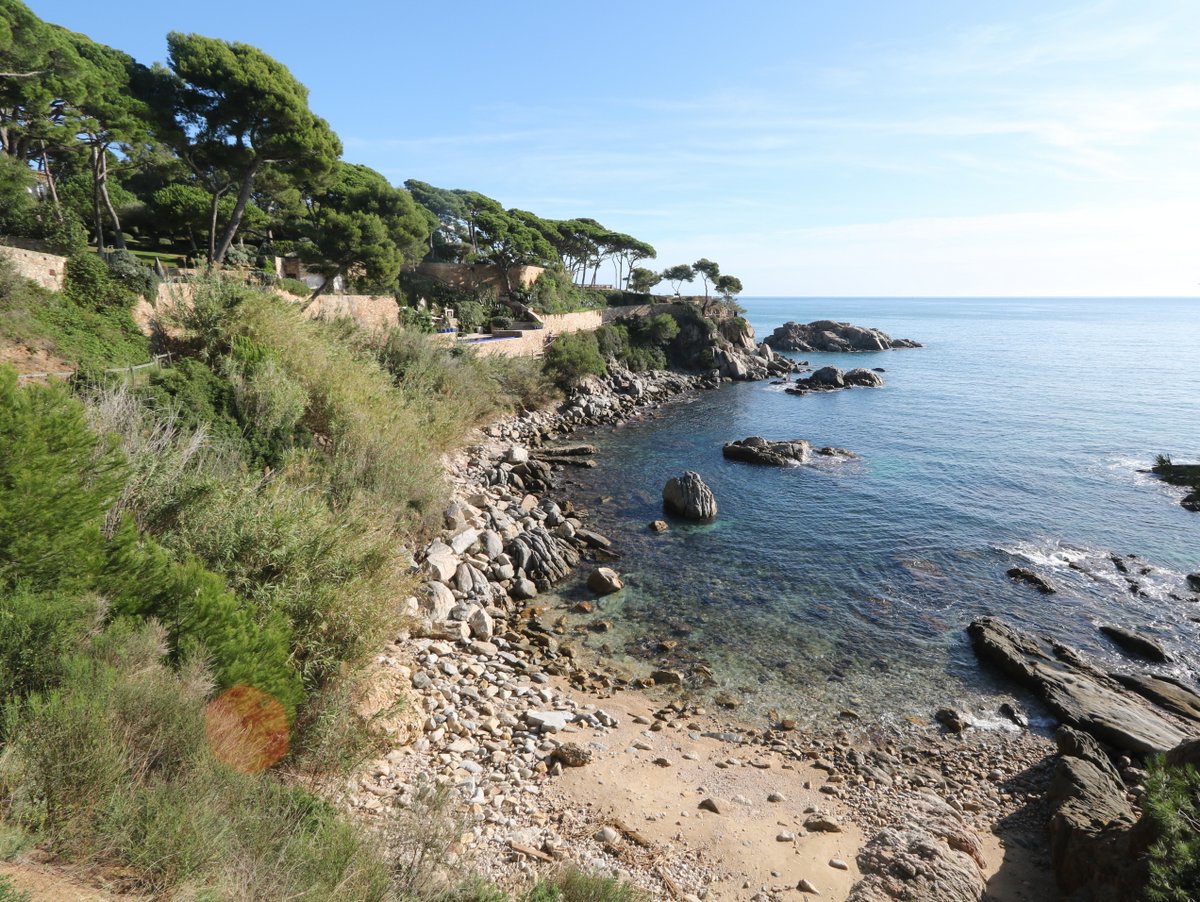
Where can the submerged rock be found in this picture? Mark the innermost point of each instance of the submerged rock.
(757, 450)
(688, 496)
(830, 335)
(1039, 582)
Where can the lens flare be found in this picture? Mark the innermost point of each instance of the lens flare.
(247, 728)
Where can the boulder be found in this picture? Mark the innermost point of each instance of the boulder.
(439, 601)
(542, 555)
(605, 581)
(687, 496)
(757, 450)
(828, 375)
(936, 857)
(1081, 695)
(863, 378)
(1166, 692)
(1193, 581)
(1136, 643)
(1090, 822)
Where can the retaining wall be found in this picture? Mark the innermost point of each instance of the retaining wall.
(48, 270)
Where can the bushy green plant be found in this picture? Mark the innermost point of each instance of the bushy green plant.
(115, 765)
(57, 483)
(1172, 804)
(554, 292)
(90, 284)
(133, 274)
(416, 319)
(572, 884)
(570, 358)
(294, 287)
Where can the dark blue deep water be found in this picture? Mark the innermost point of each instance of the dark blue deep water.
(1014, 437)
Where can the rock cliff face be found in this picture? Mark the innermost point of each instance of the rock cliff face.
(829, 335)
(726, 349)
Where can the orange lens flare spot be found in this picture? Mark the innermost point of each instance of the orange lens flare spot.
(247, 728)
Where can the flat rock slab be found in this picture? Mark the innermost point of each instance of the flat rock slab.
(1078, 693)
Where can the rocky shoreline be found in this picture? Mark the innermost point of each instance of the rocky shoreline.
(512, 715)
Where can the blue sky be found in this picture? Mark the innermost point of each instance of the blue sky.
(925, 147)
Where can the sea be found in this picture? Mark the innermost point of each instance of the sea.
(1019, 435)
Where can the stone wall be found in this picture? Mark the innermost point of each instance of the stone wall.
(48, 270)
(532, 342)
(470, 276)
(373, 312)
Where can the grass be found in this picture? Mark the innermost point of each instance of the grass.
(39, 319)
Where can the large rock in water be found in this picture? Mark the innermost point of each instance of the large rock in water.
(757, 450)
(1081, 695)
(828, 335)
(687, 496)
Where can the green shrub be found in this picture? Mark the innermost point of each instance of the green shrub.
(37, 631)
(133, 274)
(574, 885)
(294, 287)
(416, 320)
(1172, 804)
(570, 358)
(90, 284)
(31, 316)
(555, 292)
(114, 767)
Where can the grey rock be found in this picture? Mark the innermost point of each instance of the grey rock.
(548, 721)
(1082, 696)
(757, 450)
(1024, 575)
(1136, 643)
(863, 378)
(687, 496)
(829, 335)
(439, 601)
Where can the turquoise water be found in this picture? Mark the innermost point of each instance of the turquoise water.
(1014, 437)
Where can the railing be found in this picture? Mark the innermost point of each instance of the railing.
(158, 361)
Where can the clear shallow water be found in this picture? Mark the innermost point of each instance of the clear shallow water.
(1012, 438)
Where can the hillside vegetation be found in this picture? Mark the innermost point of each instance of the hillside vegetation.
(195, 568)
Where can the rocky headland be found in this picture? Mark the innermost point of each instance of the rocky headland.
(830, 335)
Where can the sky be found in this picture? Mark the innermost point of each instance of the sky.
(810, 147)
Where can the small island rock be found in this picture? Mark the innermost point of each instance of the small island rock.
(688, 496)
(757, 450)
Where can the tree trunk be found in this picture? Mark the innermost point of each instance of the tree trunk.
(239, 209)
(320, 289)
(118, 238)
(97, 216)
(50, 182)
(212, 228)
